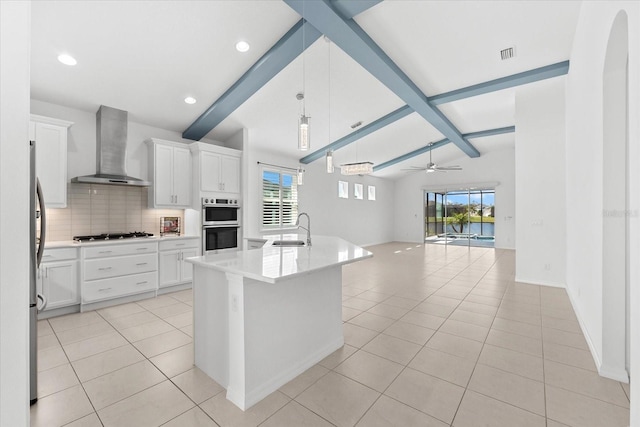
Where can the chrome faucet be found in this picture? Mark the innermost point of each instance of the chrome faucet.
(308, 226)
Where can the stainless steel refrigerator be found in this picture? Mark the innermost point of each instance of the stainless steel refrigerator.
(37, 239)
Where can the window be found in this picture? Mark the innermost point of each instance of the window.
(343, 189)
(371, 189)
(279, 199)
(357, 191)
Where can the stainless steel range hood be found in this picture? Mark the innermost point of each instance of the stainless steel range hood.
(111, 150)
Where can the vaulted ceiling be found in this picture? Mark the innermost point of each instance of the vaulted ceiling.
(413, 72)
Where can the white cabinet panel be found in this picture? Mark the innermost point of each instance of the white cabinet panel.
(217, 169)
(51, 158)
(182, 176)
(209, 172)
(163, 175)
(173, 270)
(170, 166)
(169, 268)
(57, 277)
(230, 174)
(58, 283)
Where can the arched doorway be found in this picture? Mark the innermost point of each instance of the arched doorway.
(615, 247)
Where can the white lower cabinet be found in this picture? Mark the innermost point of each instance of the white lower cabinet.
(173, 270)
(57, 278)
(118, 270)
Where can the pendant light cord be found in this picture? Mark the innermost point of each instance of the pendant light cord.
(304, 86)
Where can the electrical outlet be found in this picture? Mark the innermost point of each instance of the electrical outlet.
(547, 267)
(234, 303)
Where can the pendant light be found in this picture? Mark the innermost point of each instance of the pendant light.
(329, 158)
(304, 142)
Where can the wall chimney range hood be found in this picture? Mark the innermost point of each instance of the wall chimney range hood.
(111, 150)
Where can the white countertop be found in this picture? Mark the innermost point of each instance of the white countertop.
(272, 263)
(73, 244)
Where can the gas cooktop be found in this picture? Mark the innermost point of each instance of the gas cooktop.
(112, 236)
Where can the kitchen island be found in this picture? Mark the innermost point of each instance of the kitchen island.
(264, 316)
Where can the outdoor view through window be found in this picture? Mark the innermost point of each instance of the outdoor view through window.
(460, 217)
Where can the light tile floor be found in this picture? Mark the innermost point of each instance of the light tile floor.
(434, 337)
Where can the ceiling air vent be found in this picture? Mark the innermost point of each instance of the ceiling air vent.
(508, 53)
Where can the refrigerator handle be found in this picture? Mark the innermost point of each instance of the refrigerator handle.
(43, 223)
(44, 302)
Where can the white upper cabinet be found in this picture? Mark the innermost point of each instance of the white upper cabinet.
(170, 169)
(51, 158)
(217, 168)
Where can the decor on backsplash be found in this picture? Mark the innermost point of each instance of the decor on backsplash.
(97, 209)
(170, 226)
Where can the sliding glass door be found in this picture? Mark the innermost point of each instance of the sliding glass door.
(460, 217)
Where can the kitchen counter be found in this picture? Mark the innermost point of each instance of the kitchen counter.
(274, 263)
(264, 316)
(74, 244)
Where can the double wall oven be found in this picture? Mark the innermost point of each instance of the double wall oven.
(220, 224)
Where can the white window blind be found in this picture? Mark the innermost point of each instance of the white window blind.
(279, 199)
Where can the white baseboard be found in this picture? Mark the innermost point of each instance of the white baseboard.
(585, 332)
(540, 283)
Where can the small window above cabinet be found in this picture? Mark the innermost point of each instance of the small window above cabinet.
(170, 170)
(218, 168)
(50, 136)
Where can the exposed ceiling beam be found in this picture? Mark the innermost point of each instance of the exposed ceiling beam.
(434, 145)
(350, 8)
(354, 136)
(271, 63)
(356, 43)
(530, 76)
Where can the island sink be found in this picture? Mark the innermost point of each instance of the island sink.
(288, 243)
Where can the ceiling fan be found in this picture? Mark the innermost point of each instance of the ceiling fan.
(432, 167)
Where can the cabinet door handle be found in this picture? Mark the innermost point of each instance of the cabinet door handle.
(105, 268)
(142, 283)
(104, 289)
(142, 263)
(105, 252)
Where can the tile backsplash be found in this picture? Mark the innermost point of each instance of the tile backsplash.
(97, 208)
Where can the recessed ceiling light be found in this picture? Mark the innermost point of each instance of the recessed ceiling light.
(190, 100)
(67, 59)
(242, 46)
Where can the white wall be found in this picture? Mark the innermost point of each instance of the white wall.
(15, 27)
(494, 166)
(362, 222)
(584, 164)
(540, 183)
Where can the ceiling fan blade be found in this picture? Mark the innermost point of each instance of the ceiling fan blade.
(449, 168)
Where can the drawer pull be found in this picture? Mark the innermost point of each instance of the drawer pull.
(104, 289)
(105, 252)
(142, 283)
(47, 256)
(142, 263)
(105, 268)
(142, 249)
(180, 244)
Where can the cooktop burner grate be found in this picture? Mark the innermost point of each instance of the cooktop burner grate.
(112, 236)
